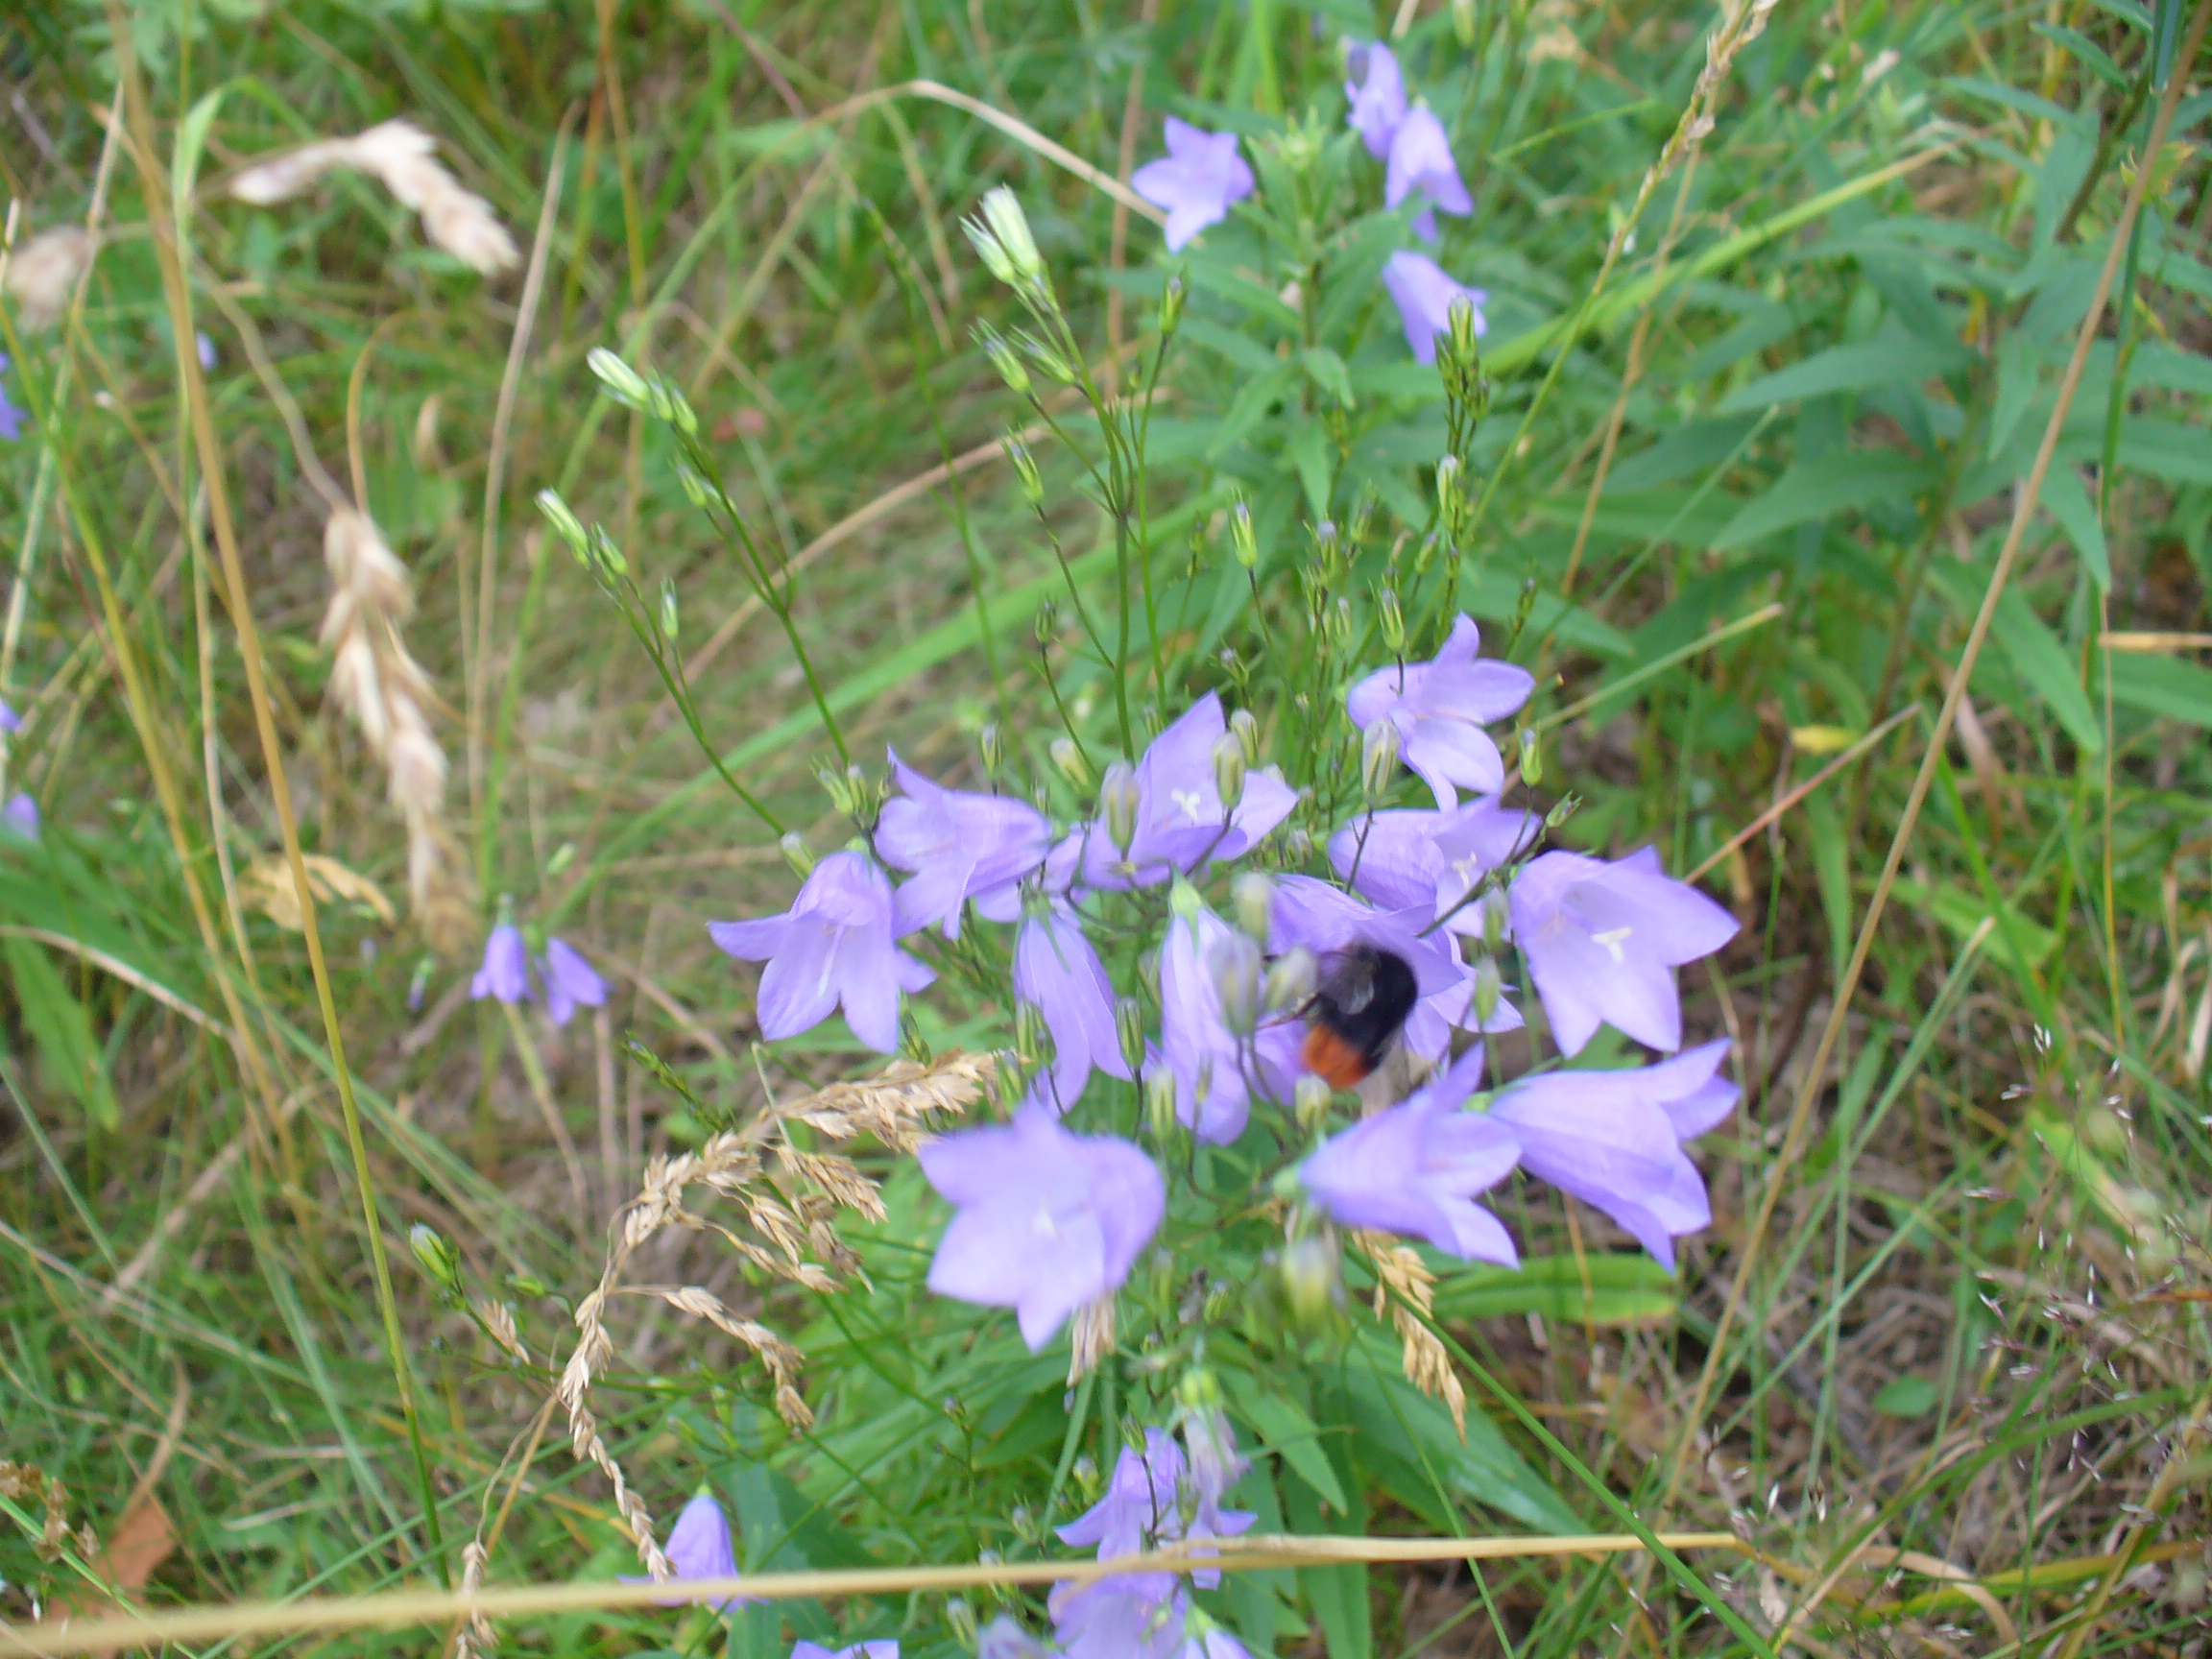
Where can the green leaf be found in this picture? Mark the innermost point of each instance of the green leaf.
(184, 162)
(1285, 1430)
(1892, 359)
(1907, 1397)
(1832, 874)
(1842, 481)
(1308, 448)
(1259, 395)
(1617, 1290)
(2167, 450)
(1327, 371)
(1962, 914)
(2070, 505)
(2046, 669)
(2169, 685)
(68, 1052)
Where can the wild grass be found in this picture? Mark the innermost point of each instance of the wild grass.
(1761, 470)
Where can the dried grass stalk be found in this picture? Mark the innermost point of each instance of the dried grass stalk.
(792, 1216)
(43, 272)
(1405, 1290)
(474, 1638)
(401, 158)
(387, 694)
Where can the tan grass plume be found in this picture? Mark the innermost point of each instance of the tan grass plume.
(403, 158)
(387, 695)
(43, 272)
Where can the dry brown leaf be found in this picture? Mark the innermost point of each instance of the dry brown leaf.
(142, 1540)
(269, 888)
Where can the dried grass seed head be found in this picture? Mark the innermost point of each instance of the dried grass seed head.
(42, 273)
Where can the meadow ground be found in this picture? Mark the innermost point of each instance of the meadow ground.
(1895, 363)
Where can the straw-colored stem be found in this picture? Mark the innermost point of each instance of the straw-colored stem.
(236, 600)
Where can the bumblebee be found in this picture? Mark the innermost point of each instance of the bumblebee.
(1356, 1013)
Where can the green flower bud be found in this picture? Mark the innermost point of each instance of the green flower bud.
(1252, 896)
(1118, 803)
(1047, 625)
(1379, 756)
(564, 521)
(623, 383)
(1171, 307)
(1229, 770)
(1488, 986)
(1159, 1102)
(1562, 809)
(1313, 1281)
(1000, 234)
(991, 744)
(796, 852)
(1311, 1099)
(838, 787)
(1129, 1031)
(1233, 960)
(1244, 727)
(696, 489)
(1024, 465)
(1243, 540)
(439, 1258)
(1291, 980)
(1393, 620)
(605, 556)
(1003, 358)
(670, 618)
(1531, 757)
(1070, 760)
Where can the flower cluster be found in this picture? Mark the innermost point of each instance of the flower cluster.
(1049, 1221)
(566, 981)
(1202, 177)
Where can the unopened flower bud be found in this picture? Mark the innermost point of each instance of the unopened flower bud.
(1028, 1033)
(1243, 541)
(1449, 474)
(1531, 757)
(1118, 802)
(1129, 1031)
(1488, 987)
(671, 405)
(1291, 980)
(1246, 728)
(670, 618)
(1379, 756)
(1336, 624)
(1184, 903)
(1234, 962)
(1464, 326)
(696, 489)
(1313, 1280)
(796, 852)
(1047, 625)
(1393, 620)
(1496, 914)
(1229, 770)
(1048, 357)
(1070, 760)
(439, 1258)
(835, 785)
(623, 383)
(564, 521)
(1562, 809)
(1005, 360)
(1463, 22)
(1148, 971)
(1252, 896)
(1160, 1101)
(991, 745)
(1024, 465)
(1311, 1099)
(1000, 233)
(604, 554)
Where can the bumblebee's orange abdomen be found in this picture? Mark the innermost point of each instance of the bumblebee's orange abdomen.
(1330, 1057)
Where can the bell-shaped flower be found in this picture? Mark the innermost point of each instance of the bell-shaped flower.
(505, 972)
(570, 982)
(20, 815)
(1439, 709)
(1614, 1140)
(1197, 182)
(1403, 859)
(1057, 972)
(1424, 296)
(1004, 1639)
(1179, 822)
(1141, 1504)
(699, 1547)
(834, 946)
(1376, 91)
(1047, 1222)
(883, 1649)
(1209, 1060)
(1603, 941)
(1416, 1168)
(1421, 167)
(958, 846)
(1203, 1639)
(1129, 1616)
(11, 722)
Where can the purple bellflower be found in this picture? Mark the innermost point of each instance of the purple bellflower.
(1614, 1140)
(858, 1650)
(699, 1547)
(833, 946)
(1421, 166)
(1207, 1059)
(1440, 708)
(1199, 179)
(1130, 1616)
(206, 350)
(1057, 972)
(1424, 296)
(1378, 95)
(1203, 1639)
(1404, 860)
(1047, 1222)
(11, 722)
(1140, 1502)
(958, 846)
(20, 815)
(506, 969)
(13, 419)
(1179, 822)
(570, 982)
(1602, 942)
(1416, 1168)
(1003, 1639)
